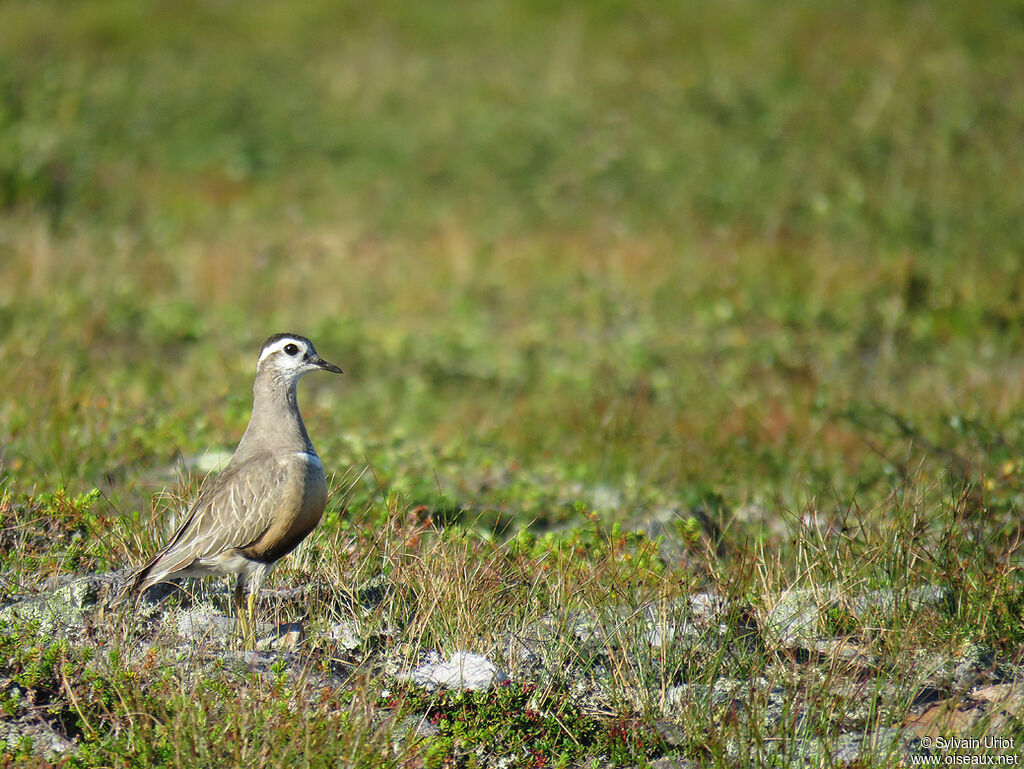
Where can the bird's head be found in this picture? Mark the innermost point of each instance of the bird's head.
(289, 356)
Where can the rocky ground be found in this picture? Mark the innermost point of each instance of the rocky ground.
(197, 637)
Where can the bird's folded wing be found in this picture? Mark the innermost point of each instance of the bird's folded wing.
(231, 512)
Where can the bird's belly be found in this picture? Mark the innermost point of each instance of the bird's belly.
(306, 499)
(226, 562)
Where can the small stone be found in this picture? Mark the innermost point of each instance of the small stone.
(708, 607)
(800, 616)
(797, 617)
(672, 762)
(286, 637)
(372, 592)
(884, 746)
(673, 734)
(345, 635)
(62, 611)
(202, 623)
(291, 635)
(463, 670)
(887, 600)
(411, 730)
(846, 650)
(972, 666)
(46, 742)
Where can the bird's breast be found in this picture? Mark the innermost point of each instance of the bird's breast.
(301, 504)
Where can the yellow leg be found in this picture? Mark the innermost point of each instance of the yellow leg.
(252, 618)
(244, 626)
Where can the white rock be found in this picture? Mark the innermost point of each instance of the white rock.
(464, 670)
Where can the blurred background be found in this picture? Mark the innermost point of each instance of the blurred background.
(607, 257)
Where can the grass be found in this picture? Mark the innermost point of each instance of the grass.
(584, 266)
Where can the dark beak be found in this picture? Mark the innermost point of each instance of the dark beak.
(316, 360)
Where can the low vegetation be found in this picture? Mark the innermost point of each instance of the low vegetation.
(683, 380)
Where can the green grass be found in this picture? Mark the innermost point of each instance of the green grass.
(583, 264)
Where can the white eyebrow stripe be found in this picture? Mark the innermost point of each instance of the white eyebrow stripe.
(279, 345)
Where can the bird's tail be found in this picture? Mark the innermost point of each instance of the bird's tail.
(133, 586)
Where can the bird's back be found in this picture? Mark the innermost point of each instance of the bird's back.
(258, 509)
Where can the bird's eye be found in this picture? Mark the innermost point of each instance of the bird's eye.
(291, 349)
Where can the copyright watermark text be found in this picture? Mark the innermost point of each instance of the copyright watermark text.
(968, 751)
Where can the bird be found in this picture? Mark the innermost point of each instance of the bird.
(267, 499)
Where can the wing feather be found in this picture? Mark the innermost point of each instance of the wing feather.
(231, 512)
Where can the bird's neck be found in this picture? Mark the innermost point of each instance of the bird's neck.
(275, 424)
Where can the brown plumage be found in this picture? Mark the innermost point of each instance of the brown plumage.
(265, 502)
